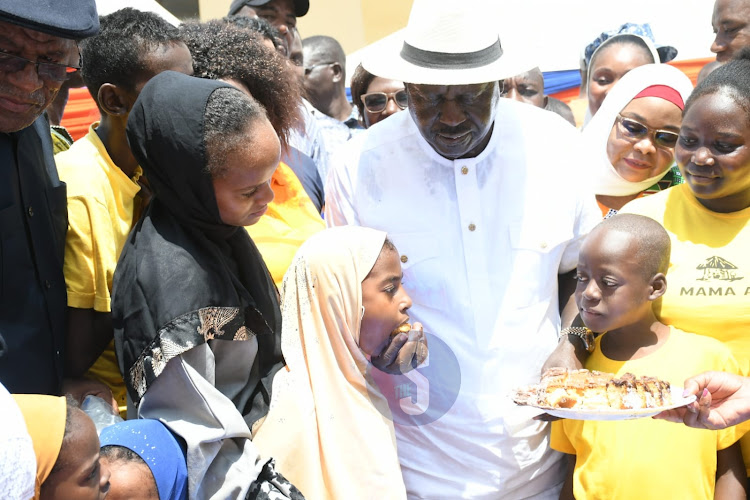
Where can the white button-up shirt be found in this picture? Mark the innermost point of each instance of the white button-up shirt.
(482, 241)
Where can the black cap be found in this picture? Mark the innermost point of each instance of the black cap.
(300, 6)
(64, 18)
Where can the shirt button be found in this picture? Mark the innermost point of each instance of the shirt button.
(543, 245)
(404, 259)
(30, 211)
(472, 227)
(464, 170)
(48, 284)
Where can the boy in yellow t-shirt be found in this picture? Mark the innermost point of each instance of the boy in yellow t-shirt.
(621, 271)
(104, 184)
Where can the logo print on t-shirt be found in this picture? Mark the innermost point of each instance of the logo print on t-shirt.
(717, 269)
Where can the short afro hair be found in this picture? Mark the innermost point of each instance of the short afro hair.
(258, 25)
(326, 47)
(732, 78)
(229, 112)
(653, 244)
(115, 55)
(224, 51)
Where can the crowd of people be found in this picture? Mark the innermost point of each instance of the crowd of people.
(242, 284)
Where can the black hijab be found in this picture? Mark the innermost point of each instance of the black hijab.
(184, 277)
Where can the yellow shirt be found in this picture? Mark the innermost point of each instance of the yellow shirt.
(102, 208)
(291, 219)
(708, 283)
(646, 458)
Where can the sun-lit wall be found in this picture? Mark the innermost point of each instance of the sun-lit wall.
(549, 32)
(354, 23)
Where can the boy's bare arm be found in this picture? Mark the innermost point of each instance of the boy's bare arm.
(567, 490)
(566, 287)
(731, 481)
(89, 333)
(570, 352)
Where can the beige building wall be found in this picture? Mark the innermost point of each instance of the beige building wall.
(212, 9)
(354, 23)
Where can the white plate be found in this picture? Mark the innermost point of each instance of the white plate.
(627, 414)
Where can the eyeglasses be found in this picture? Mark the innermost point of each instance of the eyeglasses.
(10, 63)
(376, 102)
(310, 69)
(635, 130)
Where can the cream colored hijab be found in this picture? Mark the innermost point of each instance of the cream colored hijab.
(603, 178)
(328, 426)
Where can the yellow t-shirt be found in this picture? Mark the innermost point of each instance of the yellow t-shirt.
(291, 219)
(102, 208)
(647, 458)
(708, 283)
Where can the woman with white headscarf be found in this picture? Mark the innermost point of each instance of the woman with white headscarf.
(633, 134)
(610, 61)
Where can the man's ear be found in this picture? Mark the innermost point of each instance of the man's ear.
(658, 286)
(338, 72)
(546, 101)
(113, 100)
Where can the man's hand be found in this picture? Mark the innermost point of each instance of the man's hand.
(723, 401)
(79, 388)
(404, 352)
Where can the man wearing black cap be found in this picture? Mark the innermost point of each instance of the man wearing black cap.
(282, 14)
(37, 50)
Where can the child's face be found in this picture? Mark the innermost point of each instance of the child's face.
(243, 191)
(80, 476)
(612, 292)
(385, 302)
(130, 480)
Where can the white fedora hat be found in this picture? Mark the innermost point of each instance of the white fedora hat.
(446, 42)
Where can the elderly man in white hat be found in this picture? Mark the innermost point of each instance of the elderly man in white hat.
(483, 199)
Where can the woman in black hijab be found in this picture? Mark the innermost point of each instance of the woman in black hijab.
(196, 313)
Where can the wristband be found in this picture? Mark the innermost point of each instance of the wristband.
(581, 332)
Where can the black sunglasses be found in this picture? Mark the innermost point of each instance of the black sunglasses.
(376, 102)
(10, 63)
